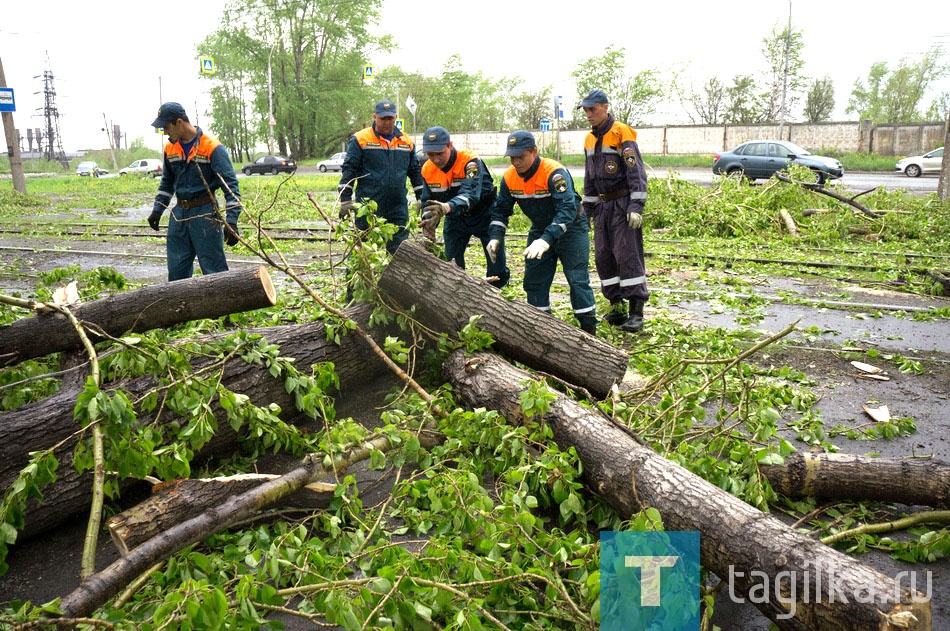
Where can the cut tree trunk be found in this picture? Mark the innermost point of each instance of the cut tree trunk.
(179, 500)
(735, 538)
(151, 307)
(445, 297)
(843, 476)
(40, 425)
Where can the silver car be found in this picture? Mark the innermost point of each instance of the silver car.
(915, 166)
(333, 163)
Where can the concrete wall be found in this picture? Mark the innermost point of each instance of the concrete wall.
(844, 137)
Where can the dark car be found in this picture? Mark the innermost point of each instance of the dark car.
(270, 164)
(761, 159)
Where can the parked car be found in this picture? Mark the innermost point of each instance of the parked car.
(760, 159)
(270, 164)
(333, 163)
(915, 166)
(90, 169)
(144, 167)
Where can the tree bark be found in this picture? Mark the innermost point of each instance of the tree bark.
(736, 539)
(445, 297)
(843, 476)
(151, 307)
(179, 500)
(45, 423)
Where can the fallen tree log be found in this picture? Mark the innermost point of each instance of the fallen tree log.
(43, 424)
(96, 589)
(736, 540)
(151, 307)
(911, 481)
(444, 297)
(179, 500)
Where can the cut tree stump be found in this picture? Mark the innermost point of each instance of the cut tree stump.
(151, 307)
(735, 538)
(444, 297)
(45, 423)
(911, 481)
(179, 500)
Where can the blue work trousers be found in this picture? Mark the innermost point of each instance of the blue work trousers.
(197, 232)
(573, 250)
(457, 232)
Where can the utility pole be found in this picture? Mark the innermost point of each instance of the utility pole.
(13, 147)
(107, 129)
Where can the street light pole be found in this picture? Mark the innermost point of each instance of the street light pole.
(788, 44)
(270, 105)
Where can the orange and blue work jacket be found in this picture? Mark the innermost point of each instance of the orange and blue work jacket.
(546, 196)
(204, 170)
(376, 168)
(613, 165)
(465, 184)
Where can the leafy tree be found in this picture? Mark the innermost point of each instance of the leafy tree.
(743, 102)
(820, 102)
(528, 108)
(632, 99)
(895, 96)
(783, 55)
(710, 104)
(315, 50)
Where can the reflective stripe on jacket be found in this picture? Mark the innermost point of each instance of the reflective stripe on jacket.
(465, 184)
(613, 164)
(380, 168)
(206, 167)
(546, 195)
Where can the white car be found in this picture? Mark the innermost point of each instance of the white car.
(916, 165)
(144, 167)
(333, 163)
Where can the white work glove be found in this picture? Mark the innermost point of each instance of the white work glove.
(492, 249)
(634, 220)
(345, 209)
(536, 249)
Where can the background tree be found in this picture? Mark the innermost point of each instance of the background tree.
(896, 96)
(820, 101)
(743, 102)
(528, 108)
(782, 50)
(316, 50)
(632, 99)
(709, 105)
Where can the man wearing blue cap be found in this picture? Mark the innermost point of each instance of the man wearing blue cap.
(196, 166)
(458, 185)
(544, 191)
(378, 160)
(615, 191)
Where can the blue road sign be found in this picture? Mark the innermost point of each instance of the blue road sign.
(545, 124)
(7, 101)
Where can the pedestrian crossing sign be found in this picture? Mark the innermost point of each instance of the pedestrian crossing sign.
(399, 123)
(207, 65)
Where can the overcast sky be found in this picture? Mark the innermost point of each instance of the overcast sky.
(120, 59)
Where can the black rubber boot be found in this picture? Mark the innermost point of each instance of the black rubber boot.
(635, 322)
(589, 327)
(617, 314)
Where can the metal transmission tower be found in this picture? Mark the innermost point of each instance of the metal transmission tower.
(54, 144)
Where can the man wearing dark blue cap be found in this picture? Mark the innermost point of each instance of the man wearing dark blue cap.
(458, 185)
(378, 160)
(615, 191)
(196, 166)
(544, 191)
